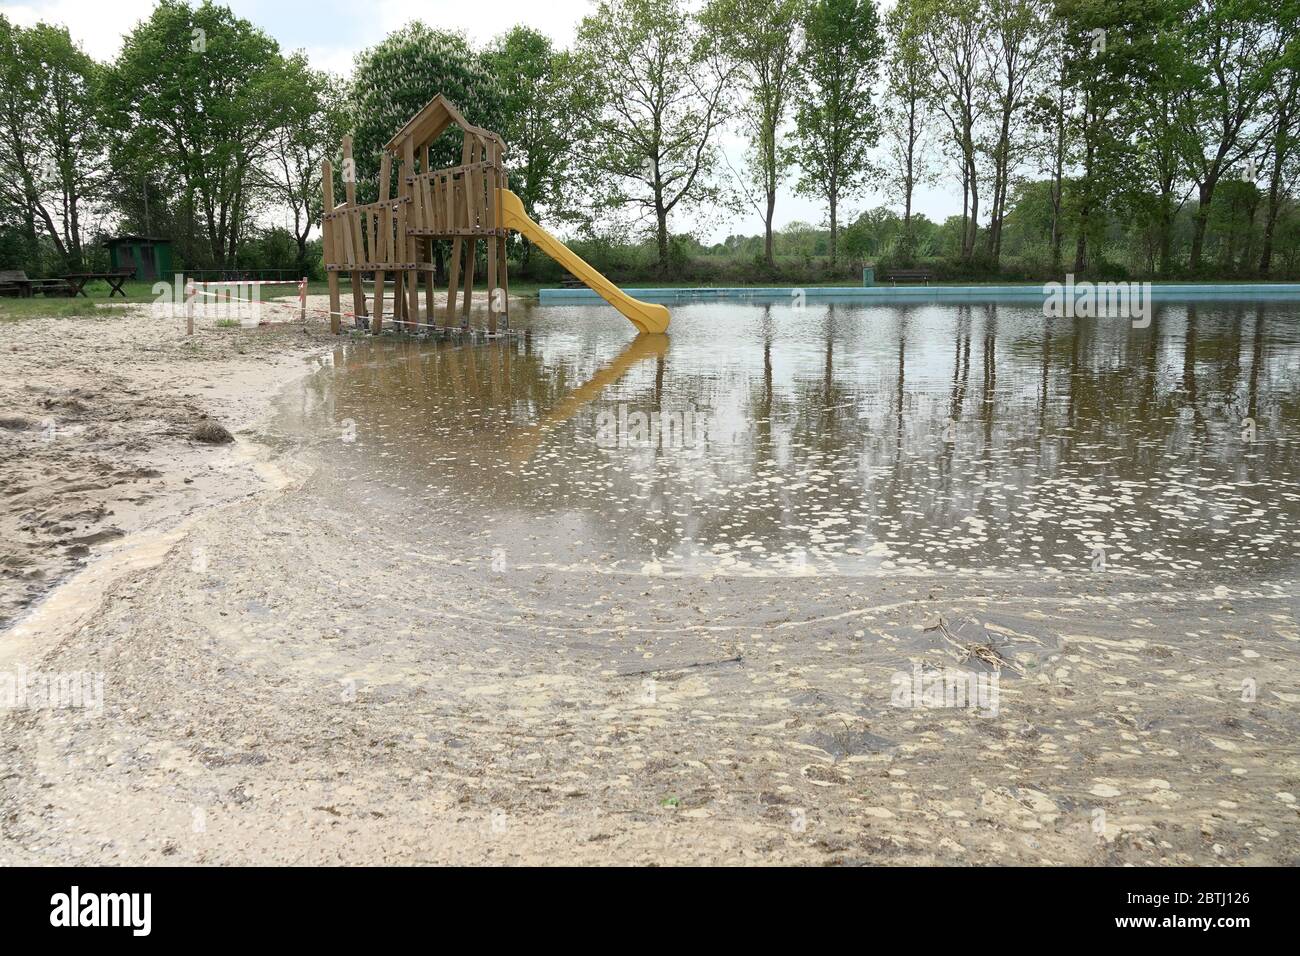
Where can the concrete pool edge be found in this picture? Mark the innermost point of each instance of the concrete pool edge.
(932, 293)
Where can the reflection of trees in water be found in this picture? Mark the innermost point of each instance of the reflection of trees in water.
(856, 432)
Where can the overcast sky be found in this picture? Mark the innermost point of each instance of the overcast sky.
(332, 31)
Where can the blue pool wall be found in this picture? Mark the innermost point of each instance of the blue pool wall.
(921, 293)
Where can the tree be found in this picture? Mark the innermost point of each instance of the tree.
(657, 86)
(1164, 78)
(1283, 100)
(51, 154)
(67, 124)
(19, 149)
(1235, 48)
(1017, 37)
(396, 78)
(200, 94)
(538, 96)
(1050, 110)
(764, 38)
(952, 37)
(314, 121)
(1104, 60)
(907, 125)
(836, 120)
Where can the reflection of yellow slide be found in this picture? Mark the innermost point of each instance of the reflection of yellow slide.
(646, 316)
(525, 442)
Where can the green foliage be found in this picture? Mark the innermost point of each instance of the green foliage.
(655, 97)
(396, 78)
(50, 145)
(312, 125)
(198, 96)
(1148, 137)
(764, 38)
(538, 98)
(837, 120)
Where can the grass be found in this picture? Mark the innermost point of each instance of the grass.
(57, 307)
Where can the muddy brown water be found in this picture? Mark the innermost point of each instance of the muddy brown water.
(760, 439)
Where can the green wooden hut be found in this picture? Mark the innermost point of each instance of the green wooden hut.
(148, 257)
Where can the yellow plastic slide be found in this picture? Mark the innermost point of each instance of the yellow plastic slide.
(646, 316)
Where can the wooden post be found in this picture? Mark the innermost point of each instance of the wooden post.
(489, 221)
(399, 277)
(189, 306)
(428, 283)
(350, 189)
(379, 248)
(327, 243)
(426, 157)
(453, 276)
(411, 244)
(505, 279)
(453, 266)
(469, 154)
(471, 262)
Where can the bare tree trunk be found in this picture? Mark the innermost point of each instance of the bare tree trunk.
(1058, 177)
(1205, 195)
(1281, 146)
(767, 223)
(969, 251)
(834, 203)
(661, 225)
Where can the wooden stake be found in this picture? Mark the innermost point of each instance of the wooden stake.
(505, 278)
(489, 221)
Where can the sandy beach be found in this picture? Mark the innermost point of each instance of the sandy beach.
(286, 680)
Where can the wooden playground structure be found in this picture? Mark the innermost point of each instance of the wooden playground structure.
(462, 204)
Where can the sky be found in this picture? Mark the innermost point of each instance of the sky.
(331, 32)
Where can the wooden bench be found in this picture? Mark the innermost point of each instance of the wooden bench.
(909, 275)
(15, 282)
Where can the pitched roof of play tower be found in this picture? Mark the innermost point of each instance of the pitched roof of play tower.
(428, 124)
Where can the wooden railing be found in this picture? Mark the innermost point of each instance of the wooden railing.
(457, 201)
(370, 237)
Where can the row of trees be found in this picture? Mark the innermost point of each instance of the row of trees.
(199, 129)
(1131, 111)
(624, 130)
(1165, 131)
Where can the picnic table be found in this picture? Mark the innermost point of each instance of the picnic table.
(77, 282)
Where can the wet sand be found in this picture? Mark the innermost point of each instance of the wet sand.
(287, 680)
(96, 422)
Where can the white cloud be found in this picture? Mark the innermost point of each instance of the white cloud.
(337, 60)
(97, 26)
